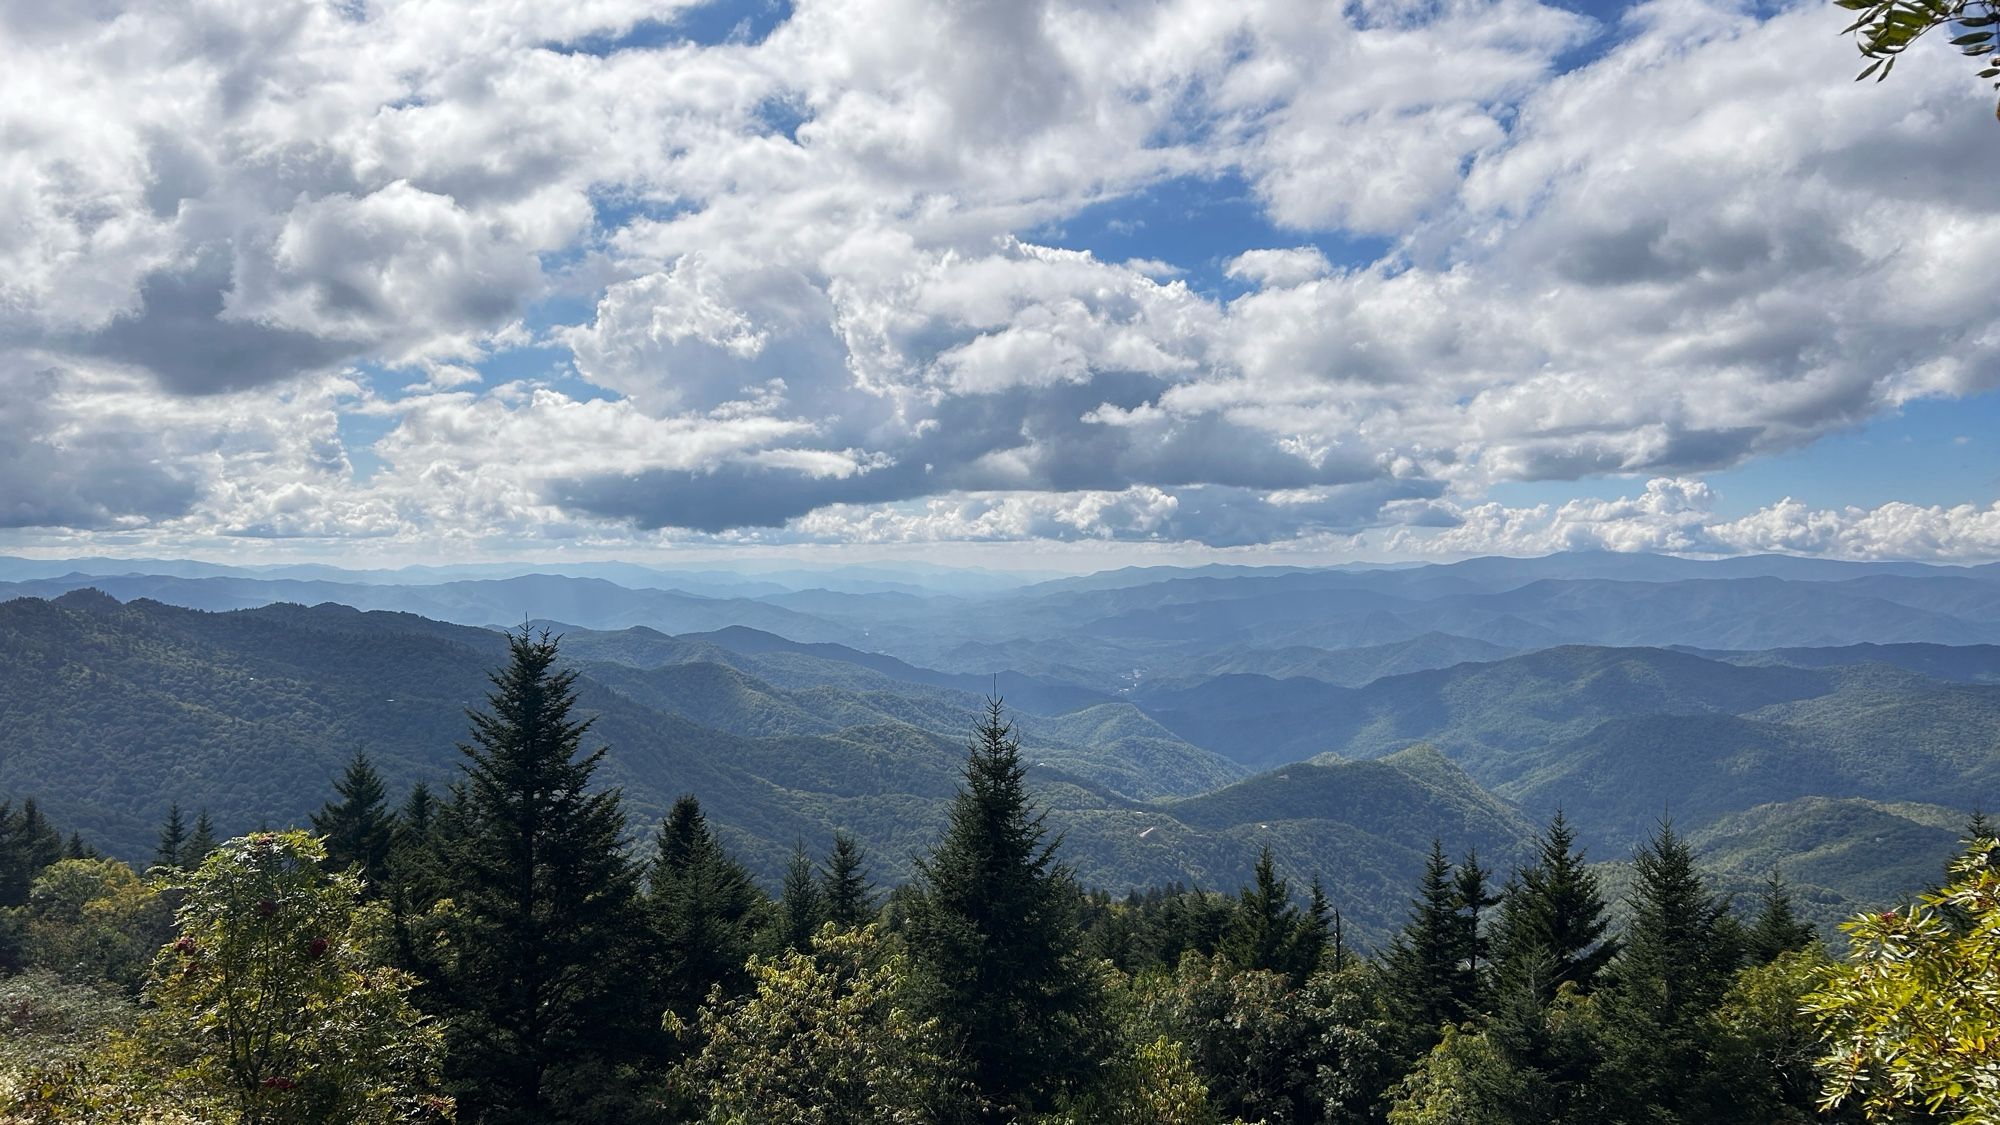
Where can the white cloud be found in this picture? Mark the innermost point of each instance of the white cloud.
(1676, 515)
(814, 301)
(1283, 268)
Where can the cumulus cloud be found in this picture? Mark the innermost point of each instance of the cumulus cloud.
(1676, 515)
(1285, 268)
(789, 288)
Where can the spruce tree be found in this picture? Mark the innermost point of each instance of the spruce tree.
(850, 901)
(359, 829)
(704, 911)
(1777, 929)
(1261, 931)
(801, 907)
(413, 845)
(1475, 897)
(1188, 921)
(1680, 953)
(1979, 827)
(173, 838)
(415, 880)
(413, 820)
(541, 995)
(1309, 943)
(201, 843)
(1425, 968)
(993, 939)
(28, 843)
(1266, 931)
(1553, 918)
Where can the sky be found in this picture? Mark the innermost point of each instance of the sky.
(389, 281)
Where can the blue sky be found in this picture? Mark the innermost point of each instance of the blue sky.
(962, 278)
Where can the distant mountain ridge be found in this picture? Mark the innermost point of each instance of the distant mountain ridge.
(1176, 721)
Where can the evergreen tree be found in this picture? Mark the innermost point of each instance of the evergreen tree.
(1427, 976)
(1553, 918)
(993, 939)
(1663, 1058)
(850, 901)
(801, 908)
(1263, 931)
(413, 820)
(201, 843)
(28, 843)
(173, 838)
(1336, 947)
(1186, 921)
(1777, 929)
(414, 881)
(358, 827)
(414, 847)
(705, 910)
(542, 991)
(1475, 897)
(1979, 827)
(1310, 942)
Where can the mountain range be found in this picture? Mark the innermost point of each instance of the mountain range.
(1834, 720)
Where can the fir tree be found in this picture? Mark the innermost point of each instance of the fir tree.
(993, 938)
(801, 907)
(1680, 952)
(1262, 931)
(1979, 827)
(28, 843)
(173, 838)
(704, 910)
(413, 820)
(850, 901)
(1309, 943)
(1425, 967)
(358, 827)
(1553, 918)
(1187, 921)
(1475, 896)
(1777, 929)
(1337, 943)
(415, 880)
(201, 843)
(542, 992)
(413, 844)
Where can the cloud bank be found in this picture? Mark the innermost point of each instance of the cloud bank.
(420, 271)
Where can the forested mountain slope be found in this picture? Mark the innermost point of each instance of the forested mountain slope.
(112, 711)
(115, 710)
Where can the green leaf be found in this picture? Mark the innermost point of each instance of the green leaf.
(1975, 37)
(1870, 69)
